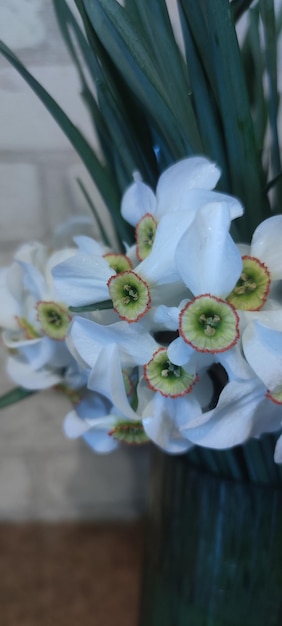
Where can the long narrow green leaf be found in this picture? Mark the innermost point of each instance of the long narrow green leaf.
(68, 25)
(238, 7)
(96, 306)
(112, 118)
(168, 59)
(121, 39)
(99, 173)
(199, 32)
(267, 12)
(15, 395)
(259, 109)
(243, 162)
(205, 106)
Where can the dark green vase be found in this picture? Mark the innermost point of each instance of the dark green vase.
(213, 552)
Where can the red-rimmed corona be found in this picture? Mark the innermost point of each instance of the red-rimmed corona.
(251, 290)
(118, 262)
(130, 295)
(54, 319)
(145, 235)
(172, 381)
(209, 324)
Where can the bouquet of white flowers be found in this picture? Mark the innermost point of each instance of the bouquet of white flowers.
(175, 336)
(174, 333)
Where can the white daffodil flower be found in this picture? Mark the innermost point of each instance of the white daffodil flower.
(83, 278)
(160, 219)
(108, 350)
(172, 192)
(209, 264)
(101, 426)
(35, 321)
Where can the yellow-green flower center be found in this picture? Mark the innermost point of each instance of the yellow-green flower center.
(118, 262)
(130, 295)
(209, 324)
(145, 235)
(169, 379)
(131, 433)
(54, 319)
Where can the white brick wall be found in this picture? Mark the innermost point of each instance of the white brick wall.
(43, 475)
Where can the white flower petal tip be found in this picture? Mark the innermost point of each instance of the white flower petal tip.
(165, 435)
(190, 173)
(167, 316)
(251, 290)
(215, 263)
(74, 426)
(209, 324)
(130, 295)
(266, 245)
(137, 200)
(232, 421)
(263, 350)
(170, 380)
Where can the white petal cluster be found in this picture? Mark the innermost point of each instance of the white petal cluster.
(181, 343)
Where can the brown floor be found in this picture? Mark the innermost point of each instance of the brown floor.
(70, 574)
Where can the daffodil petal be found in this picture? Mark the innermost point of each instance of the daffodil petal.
(90, 246)
(159, 267)
(231, 422)
(179, 352)
(33, 280)
(263, 350)
(168, 316)
(175, 183)
(100, 441)
(74, 426)
(10, 306)
(160, 423)
(88, 339)
(106, 378)
(25, 376)
(235, 364)
(137, 200)
(266, 245)
(82, 279)
(267, 418)
(278, 450)
(195, 199)
(207, 259)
